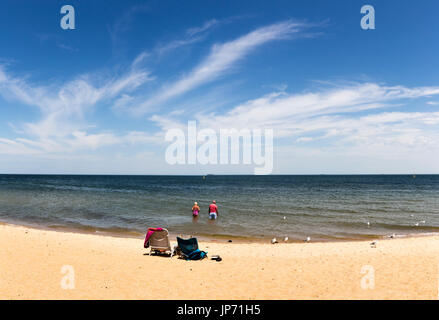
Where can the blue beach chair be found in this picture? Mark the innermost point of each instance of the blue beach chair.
(188, 249)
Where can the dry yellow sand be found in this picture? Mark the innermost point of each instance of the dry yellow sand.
(107, 267)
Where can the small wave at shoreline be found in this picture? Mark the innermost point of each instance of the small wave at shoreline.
(137, 234)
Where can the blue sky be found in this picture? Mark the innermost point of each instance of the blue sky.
(100, 98)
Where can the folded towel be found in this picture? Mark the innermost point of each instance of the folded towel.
(149, 234)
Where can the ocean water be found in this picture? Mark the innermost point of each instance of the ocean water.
(323, 207)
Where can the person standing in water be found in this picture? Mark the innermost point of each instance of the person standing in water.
(195, 210)
(213, 210)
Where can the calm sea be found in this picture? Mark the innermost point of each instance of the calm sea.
(251, 207)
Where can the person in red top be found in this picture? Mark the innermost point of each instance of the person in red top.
(213, 210)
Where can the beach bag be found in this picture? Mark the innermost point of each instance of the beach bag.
(196, 255)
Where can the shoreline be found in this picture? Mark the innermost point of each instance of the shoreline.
(107, 267)
(137, 235)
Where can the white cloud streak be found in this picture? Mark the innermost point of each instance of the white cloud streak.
(206, 26)
(62, 127)
(334, 117)
(62, 106)
(280, 110)
(220, 60)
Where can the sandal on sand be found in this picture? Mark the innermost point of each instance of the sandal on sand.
(217, 258)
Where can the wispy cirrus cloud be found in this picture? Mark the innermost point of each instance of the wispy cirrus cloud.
(67, 47)
(220, 60)
(206, 26)
(63, 107)
(279, 109)
(193, 35)
(347, 116)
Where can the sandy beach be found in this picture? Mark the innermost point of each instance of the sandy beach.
(34, 264)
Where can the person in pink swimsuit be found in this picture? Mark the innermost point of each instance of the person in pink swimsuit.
(195, 210)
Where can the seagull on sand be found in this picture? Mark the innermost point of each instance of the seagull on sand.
(273, 241)
(308, 239)
(286, 239)
(374, 243)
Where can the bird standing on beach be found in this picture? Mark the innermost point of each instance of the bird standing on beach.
(274, 240)
(308, 239)
(286, 239)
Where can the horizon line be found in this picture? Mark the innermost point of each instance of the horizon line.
(232, 174)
